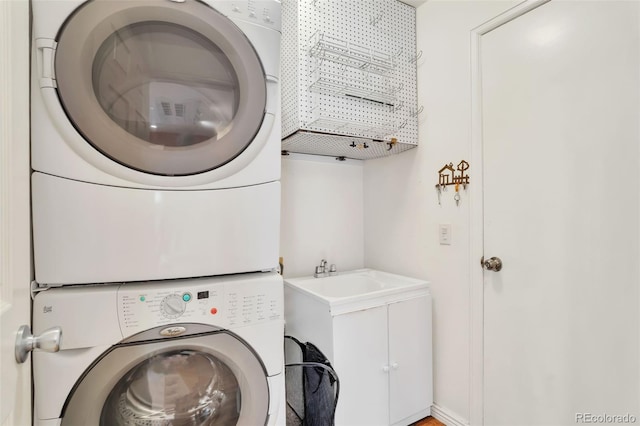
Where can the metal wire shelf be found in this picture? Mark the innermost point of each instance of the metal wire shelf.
(365, 89)
(328, 121)
(326, 47)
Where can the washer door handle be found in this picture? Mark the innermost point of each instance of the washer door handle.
(48, 341)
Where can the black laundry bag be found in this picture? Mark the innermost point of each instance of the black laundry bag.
(312, 388)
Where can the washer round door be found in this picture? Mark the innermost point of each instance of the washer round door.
(168, 88)
(208, 379)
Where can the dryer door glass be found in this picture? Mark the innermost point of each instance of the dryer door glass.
(177, 387)
(167, 88)
(166, 84)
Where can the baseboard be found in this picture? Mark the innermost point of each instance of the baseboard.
(446, 417)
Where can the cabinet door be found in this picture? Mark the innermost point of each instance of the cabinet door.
(360, 358)
(410, 376)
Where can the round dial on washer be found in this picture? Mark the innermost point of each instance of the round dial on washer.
(173, 306)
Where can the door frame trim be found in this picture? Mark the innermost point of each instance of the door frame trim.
(15, 208)
(476, 275)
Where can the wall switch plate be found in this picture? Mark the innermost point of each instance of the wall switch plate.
(445, 234)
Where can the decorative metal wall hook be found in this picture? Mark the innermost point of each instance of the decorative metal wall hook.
(416, 57)
(398, 106)
(417, 111)
(391, 144)
(448, 175)
(397, 89)
(317, 34)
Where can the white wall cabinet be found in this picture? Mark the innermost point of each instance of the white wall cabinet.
(382, 355)
(349, 77)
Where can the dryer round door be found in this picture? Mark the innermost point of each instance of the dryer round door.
(207, 379)
(169, 88)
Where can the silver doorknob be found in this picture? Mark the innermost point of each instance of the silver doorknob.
(493, 264)
(48, 341)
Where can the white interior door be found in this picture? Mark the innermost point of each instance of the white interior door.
(560, 118)
(15, 267)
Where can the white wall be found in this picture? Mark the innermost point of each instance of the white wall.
(322, 213)
(323, 205)
(401, 203)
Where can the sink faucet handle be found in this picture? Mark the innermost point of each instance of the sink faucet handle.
(333, 270)
(323, 263)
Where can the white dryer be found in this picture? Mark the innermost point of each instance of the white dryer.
(155, 138)
(203, 351)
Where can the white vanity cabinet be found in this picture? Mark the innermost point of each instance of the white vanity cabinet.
(383, 358)
(349, 72)
(380, 348)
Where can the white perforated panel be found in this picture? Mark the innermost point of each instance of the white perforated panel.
(289, 68)
(341, 146)
(355, 71)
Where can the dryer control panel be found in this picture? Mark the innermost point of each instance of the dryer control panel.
(225, 302)
(261, 12)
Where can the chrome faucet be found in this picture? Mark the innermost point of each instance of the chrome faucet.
(322, 271)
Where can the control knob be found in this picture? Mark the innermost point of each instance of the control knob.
(173, 306)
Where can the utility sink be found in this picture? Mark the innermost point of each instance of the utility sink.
(375, 329)
(358, 289)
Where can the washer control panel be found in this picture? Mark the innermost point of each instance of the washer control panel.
(226, 302)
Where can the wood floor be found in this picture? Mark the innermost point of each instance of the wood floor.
(429, 421)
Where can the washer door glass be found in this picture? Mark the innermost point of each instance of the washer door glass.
(166, 88)
(206, 378)
(183, 387)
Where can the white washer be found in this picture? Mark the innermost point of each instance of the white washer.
(155, 138)
(209, 348)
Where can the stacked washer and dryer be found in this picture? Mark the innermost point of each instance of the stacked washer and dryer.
(155, 197)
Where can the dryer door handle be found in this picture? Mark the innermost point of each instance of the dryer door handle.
(45, 62)
(48, 341)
